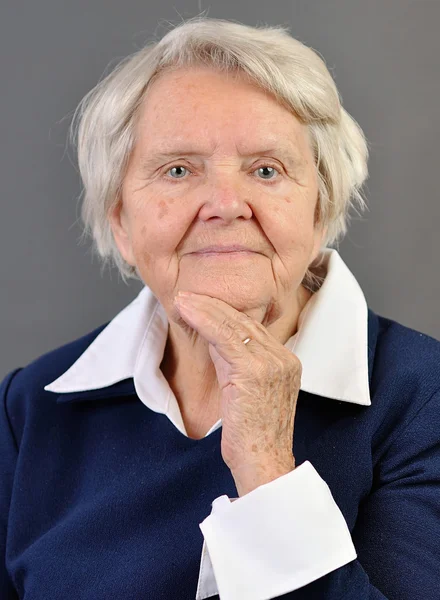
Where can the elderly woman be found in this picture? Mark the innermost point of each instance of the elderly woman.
(247, 427)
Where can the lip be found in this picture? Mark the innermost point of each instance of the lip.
(224, 255)
(223, 249)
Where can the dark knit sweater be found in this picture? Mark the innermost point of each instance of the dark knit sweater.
(101, 498)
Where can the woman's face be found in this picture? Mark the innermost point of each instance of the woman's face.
(218, 161)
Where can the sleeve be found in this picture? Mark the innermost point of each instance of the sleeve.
(263, 547)
(8, 457)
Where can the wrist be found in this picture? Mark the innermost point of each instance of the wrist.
(249, 476)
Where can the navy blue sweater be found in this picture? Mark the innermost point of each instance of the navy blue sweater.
(101, 497)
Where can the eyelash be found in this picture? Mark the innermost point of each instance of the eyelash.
(269, 181)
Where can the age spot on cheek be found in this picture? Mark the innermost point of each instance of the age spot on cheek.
(163, 209)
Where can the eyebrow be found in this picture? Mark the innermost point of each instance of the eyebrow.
(287, 153)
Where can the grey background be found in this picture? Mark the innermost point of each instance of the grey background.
(384, 57)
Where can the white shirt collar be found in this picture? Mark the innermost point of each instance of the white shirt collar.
(331, 343)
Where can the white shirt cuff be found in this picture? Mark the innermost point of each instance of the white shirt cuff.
(275, 539)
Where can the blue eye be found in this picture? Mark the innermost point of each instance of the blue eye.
(179, 167)
(272, 170)
(264, 169)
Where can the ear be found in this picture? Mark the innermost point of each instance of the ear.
(119, 224)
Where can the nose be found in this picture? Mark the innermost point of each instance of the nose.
(225, 199)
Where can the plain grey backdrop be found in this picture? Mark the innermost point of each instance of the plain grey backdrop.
(384, 56)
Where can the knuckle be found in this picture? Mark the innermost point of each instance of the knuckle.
(298, 365)
(227, 329)
(294, 363)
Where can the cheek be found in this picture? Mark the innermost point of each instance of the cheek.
(162, 210)
(158, 229)
(290, 229)
(291, 223)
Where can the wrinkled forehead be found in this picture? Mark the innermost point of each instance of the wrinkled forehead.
(203, 111)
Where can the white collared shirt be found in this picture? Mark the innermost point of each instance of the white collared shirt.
(297, 506)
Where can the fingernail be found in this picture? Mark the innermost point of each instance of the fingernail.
(184, 304)
(182, 299)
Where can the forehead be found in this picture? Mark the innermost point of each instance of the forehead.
(213, 108)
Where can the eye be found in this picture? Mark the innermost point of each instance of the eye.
(267, 170)
(177, 169)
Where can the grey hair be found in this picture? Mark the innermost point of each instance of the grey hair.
(103, 127)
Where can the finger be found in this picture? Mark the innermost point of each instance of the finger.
(224, 333)
(222, 311)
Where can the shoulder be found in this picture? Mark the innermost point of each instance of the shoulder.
(30, 380)
(406, 352)
(404, 369)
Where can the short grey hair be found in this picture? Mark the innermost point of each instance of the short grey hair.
(104, 123)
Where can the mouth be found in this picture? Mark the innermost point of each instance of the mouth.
(224, 254)
(204, 253)
(233, 248)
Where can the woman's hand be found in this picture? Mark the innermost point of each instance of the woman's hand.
(259, 384)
